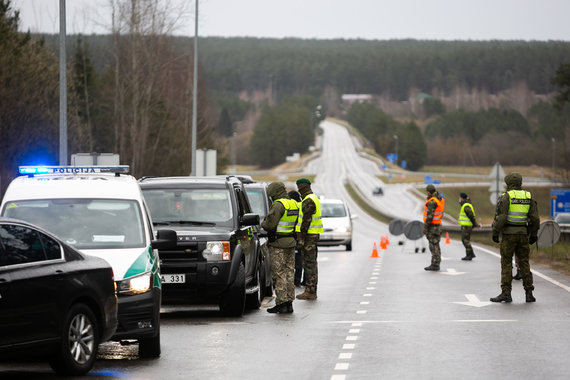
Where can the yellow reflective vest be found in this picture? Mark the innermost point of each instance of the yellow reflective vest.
(519, 207)
(316, 226)
(463, 218)
(288, 221)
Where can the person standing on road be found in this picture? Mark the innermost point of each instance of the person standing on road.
(280, 224)
(433, 214)
(294, 195)
(467, 222)
(516, 217)
(309, 227)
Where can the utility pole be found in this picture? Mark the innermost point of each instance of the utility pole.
(62, 87)
(195, 94)
(553, 158)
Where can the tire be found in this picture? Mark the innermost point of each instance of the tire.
(349, 246)
(150, 347)
(79, 342)
(253, 301)
(233, 301)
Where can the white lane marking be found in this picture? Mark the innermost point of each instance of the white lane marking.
(472, 300)
(370, 288)
(365, 303)
(352, 337)
(452, 272)
(367, 295)
(338, 377)
(434, 321)
(354, 331)
(345, 355)
(371, 282)
(341, 366)
(374, 278)
(543, 276)
(361, 312)
(356, 324)
(348, 346)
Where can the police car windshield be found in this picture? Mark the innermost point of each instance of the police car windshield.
(199, 206)
(85, 223)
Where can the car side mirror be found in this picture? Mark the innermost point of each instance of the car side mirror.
(165, 239)
(250, 219)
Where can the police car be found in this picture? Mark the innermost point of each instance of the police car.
(101, 212)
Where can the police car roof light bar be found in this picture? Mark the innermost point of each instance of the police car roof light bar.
(30, 171)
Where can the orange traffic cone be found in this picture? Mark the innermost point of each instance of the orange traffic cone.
(447, 238)
(383, 242)
(387, 240)
(374, 251)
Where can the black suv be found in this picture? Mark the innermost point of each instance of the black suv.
(218, 257)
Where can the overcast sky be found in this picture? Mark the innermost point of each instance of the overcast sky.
(328, 19)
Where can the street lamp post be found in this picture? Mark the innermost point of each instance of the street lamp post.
(195, 95)
(553, 157)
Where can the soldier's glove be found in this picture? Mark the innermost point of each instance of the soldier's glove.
(532, 240)
(495, 238)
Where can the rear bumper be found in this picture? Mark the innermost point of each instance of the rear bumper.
(332, 239)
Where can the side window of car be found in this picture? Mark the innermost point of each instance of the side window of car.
(243, 205)
(21, 244)
(51, 247)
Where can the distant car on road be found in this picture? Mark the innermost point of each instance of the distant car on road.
(55, 302)
(337, 223)
(563, 219)
(378, 191)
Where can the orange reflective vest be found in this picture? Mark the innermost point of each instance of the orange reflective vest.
(438, 214)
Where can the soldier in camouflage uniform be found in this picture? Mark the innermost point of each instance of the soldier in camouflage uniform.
(280, 224)
(516, 217)
(467, 222)
(433, 215)
(308, 229)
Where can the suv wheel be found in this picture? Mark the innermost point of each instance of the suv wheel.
(77, 349)
(233, 300)
(150, 347)
(254, 299)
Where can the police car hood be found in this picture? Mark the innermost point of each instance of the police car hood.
(126, 262)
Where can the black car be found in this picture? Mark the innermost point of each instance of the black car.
(217, 259)
(55, 302)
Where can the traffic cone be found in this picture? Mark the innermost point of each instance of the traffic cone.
(383, 242)
(374, 251)
(387, 240)
(447, 238)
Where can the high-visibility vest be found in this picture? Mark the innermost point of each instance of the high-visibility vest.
(519, 206)
(463, 218)
(316, 226)
(438, 214)
(288, 221)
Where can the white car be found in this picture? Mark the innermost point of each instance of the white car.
(337, 223)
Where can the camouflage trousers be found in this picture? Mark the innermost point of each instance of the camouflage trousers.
(433, 236)
(466, 239)
(309, 252)
(282, 271)
(517, 245)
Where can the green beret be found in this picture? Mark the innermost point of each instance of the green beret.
(430, 188)
(303, 180)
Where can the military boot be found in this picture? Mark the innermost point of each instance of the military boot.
(281, 308)
(289, 307)
(529, 296)
(467, 258)
(503, 297)
(517, 276)
(307, 296)
(432, 267)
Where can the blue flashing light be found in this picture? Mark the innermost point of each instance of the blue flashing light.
(33, 170)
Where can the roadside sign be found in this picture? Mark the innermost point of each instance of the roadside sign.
(559, 201)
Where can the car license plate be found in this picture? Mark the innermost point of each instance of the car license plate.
(173, 278)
